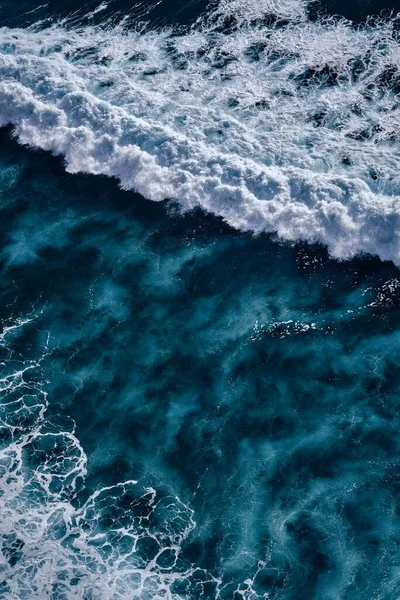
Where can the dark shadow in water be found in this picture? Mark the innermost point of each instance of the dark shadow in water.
(178, 12)
(357, 11)
(27, 12)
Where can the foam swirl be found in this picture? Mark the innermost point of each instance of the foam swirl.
(123, 542)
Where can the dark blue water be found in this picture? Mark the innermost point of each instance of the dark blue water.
(28, 12)
(177, 12)
(188, 411)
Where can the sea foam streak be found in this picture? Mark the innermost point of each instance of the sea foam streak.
(256, 114)
(123, 542)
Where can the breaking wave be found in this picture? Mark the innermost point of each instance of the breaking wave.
(255, 113)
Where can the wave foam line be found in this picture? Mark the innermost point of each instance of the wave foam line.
(256, 114)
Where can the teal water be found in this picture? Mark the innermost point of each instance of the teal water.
(250, 387)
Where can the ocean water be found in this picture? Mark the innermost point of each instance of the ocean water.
(199, 300)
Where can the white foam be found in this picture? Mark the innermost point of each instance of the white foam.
(222, 121)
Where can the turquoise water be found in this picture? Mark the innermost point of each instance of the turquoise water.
(191, 410)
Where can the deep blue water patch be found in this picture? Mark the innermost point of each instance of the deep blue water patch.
(162, 13)
(159, 14)
(357, 11)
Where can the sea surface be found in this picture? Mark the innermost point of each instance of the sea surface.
(199, 300)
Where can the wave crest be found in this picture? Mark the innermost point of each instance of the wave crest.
(256, 114)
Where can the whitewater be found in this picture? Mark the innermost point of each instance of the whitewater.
(123, 542)
(275, 122)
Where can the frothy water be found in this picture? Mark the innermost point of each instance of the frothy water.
(123, 542)
(255, 113)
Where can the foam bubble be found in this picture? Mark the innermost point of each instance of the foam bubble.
(256, 114)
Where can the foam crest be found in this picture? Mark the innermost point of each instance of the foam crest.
(256, 114)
